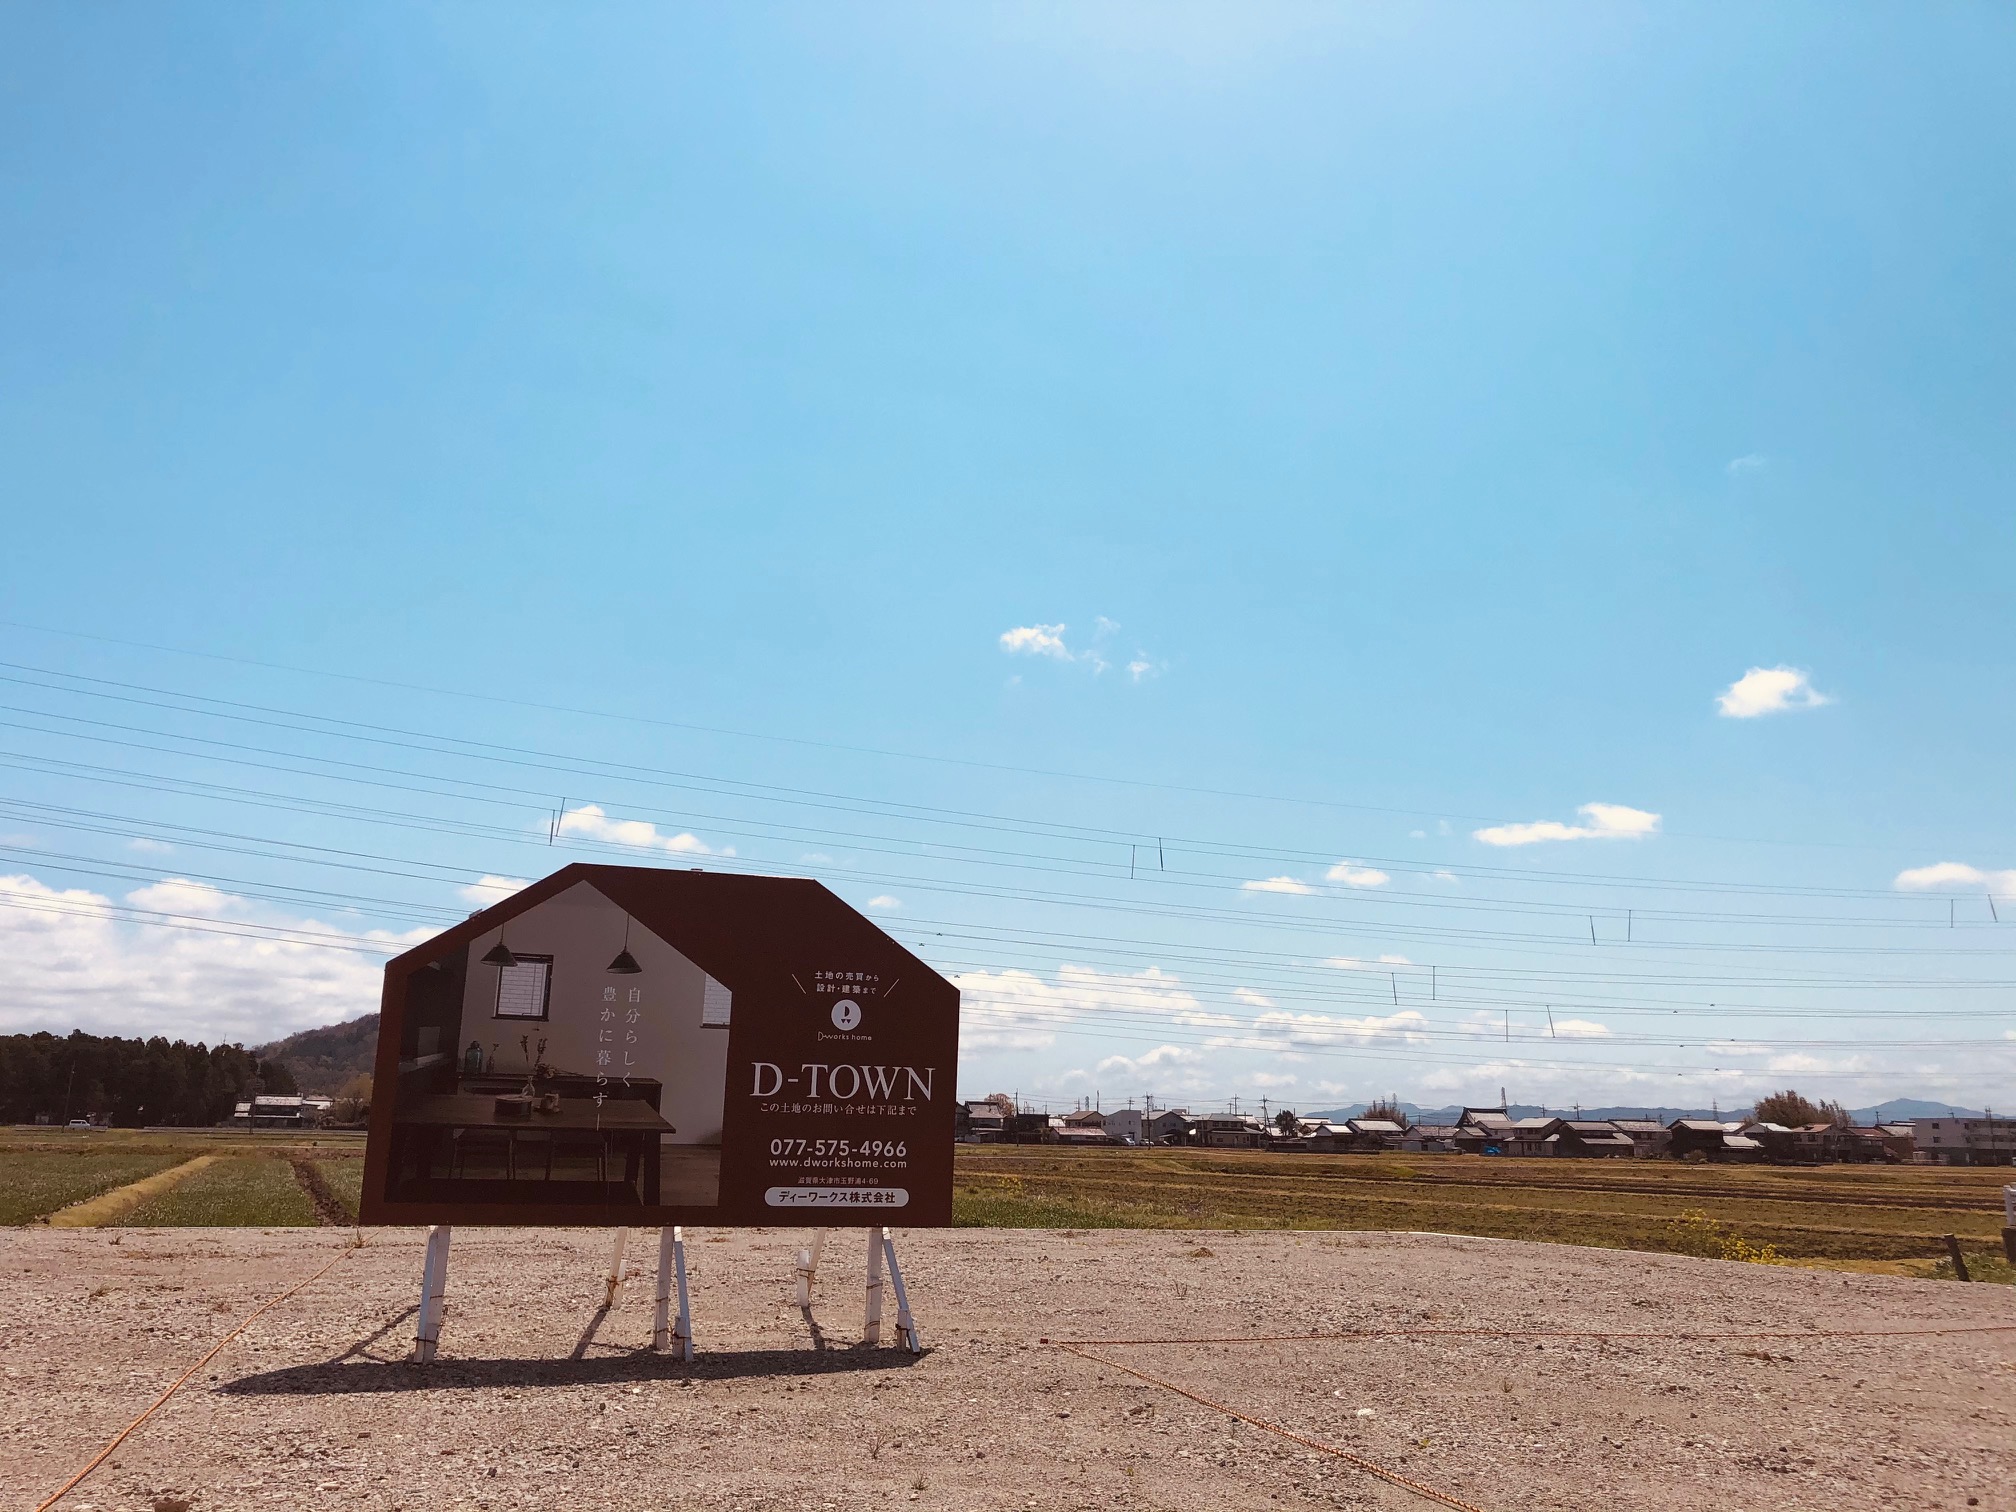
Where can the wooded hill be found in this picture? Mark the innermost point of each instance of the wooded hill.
(328, 1059)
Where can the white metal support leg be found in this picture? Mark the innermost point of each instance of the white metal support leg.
(433, 1288)
(808, 1266)
(871, 1323)
(661, 1312)
(616, 1268)
(682, 1330)
(906, 1325)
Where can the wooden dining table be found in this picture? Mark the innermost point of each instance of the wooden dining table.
(629, 1122)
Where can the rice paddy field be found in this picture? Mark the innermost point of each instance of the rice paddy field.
(1883, 1218)
(1867, 1217)
(234, 1179)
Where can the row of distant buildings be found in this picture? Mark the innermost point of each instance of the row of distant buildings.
(1980, 1140)
(278, 1111)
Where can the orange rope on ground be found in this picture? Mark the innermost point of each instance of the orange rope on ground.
(161, 1401)
(1356, 1461)
(1555, 1333)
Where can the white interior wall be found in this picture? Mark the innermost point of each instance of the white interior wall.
(582, 930)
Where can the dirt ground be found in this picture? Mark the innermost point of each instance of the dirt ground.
(538, 1401)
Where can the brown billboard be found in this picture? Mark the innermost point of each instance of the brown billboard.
(626, 1045)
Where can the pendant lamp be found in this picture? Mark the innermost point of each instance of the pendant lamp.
(500, 953)
(625, 963)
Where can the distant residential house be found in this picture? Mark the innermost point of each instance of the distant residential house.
(1740, 1147)
(1068, 1133)
(978, 1122)
(1430, 1139)
(1323, 1135)
(1368, 1135)
(1966, 1141)
(1712, 1140)
(1032, 1128)
(1899, 1140)
(1125, 1124)
(1590, 1138)
(1870, 1145)
(277, 1111)
(1170, 1126)
(1228, 1131)
(1779, 1142)
(1648, 1136)
(1484, 1131)
(1819, 1142)
(1529, 1136)
(1085, 1118)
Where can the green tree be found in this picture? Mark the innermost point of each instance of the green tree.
(279, 1080)
(1287, 1123)
(1787, 1108)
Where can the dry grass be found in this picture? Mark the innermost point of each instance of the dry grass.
(1832, 1213)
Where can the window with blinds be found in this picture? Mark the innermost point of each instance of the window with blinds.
(715, 1003)
(523, 990)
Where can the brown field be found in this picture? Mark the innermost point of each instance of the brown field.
(1832, 1213)
(1887, 1217)
(1515, 1377)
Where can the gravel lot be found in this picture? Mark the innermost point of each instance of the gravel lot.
(538, 1402)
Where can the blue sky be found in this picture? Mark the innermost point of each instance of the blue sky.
(1418, 413)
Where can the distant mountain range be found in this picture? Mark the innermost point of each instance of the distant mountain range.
(323, 1060)
(1884, 1112)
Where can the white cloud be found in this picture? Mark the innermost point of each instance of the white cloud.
(1251, 998)
(1099, 655)
(1606, 821)
(1019, 1010)
(1319, 1029)
(1955, 874)
(885, 902)
(1278, 885)
(1752, 462)
(70, 960)
(1580, 1029)
(148, 844)
(1417, 834)
(487, 890)
(178, 895)
(1271, 1079)
(1161, 1056)
(1769, 690)
(1036, 640)
(590, 822)
(1352, 875)
(1359, 963)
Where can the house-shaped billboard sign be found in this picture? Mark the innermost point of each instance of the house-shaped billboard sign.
(628, 1045)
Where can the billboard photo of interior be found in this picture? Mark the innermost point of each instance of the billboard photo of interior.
(568, 1057)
